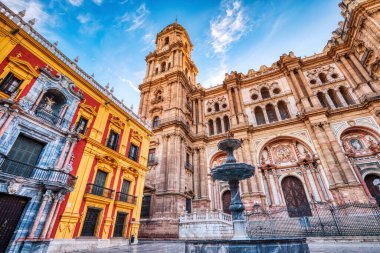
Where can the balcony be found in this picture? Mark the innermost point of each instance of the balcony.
(189, 166)
(152, 161)
(45, 176)
(99, 191)
(123, 197)
(172, 120)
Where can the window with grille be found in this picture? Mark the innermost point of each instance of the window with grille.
(145, 207)
(151, 155)
(133, 152)
(113, 140)
(99, 183)
(188, 205)
(10, 84)
(119, 224)
(90, 222)
(81, 125)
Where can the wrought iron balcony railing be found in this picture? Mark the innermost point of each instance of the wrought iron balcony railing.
(189, 166)
(152, 161)
(99, 191)
(46, 176)
(123, 197)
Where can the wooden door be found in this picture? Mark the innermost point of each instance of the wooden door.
(119, 224)
(226, 201)
(295, 197)
(11, 209)
(90, 222)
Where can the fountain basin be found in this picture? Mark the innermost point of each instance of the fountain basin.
(232, 171)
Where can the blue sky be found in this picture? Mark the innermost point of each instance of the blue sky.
(112, 37)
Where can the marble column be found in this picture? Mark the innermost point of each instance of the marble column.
(6, 123)
(349, 174)
(63, 153)
(316, 182)
(69, 154)
(38, 100)
(60, 199)
(49, 217)
(269, 187)
(37, 219)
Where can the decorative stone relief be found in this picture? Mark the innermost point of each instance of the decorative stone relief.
(324, 75)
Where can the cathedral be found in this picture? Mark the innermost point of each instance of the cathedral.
(310, 125)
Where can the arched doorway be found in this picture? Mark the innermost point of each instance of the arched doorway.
(295, 197)
(226, 201)
(373, 189)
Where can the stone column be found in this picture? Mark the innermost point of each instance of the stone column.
(49, 217)
(197, 179)
(347, 75)
(204, 172)
(340, 155)
(304, 101)
(37, 219)
(38, 100)
(265, 115)
(163, 167)
(295, 92)
(340, 96)
(277, 113)
(333, 168)
(60, 197)
(306, 179)
(232, 108)
(360, 67)
(316, 182)
(329, 101)
(269, 187)
(63, 153)
(347, 65)
(70, 153)
(278, 187)
(6, 123)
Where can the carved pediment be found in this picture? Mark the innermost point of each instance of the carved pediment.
(136, 136)
(24, 65)
(117, 122)
(89, 109)
(105, 159)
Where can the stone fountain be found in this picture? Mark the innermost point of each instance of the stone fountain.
(233, 172)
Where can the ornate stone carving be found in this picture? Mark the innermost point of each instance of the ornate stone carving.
(15, 185)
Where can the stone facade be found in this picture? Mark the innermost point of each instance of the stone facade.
(311, 121)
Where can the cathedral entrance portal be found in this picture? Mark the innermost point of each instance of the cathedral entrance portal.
(295, 197)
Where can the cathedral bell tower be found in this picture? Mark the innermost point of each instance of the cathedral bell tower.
(169, 82)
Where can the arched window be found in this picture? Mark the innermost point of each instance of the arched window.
(210, 127)
(271, 113)
(346, 96)
(322, 99)
(334, 98)
(323, 77)
(218, 123)
(295, 197)
(259, 115)
(156, 121)
(163, 66)
(264, 93)
(226, 122)
(283, 108)
(51, 106)
(216, 107)
(167, 41)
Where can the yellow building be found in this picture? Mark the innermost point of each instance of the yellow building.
(104, 144)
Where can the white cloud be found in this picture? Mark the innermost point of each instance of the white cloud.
(98, 2)
(84, 18)
(34, 9)
(76, 2)
(229, 26)
(136, 19)
(129, 82)
(217, 74)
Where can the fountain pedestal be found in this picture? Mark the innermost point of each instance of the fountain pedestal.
(233, 172)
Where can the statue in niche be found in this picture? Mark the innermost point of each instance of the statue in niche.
(356, 144)
(49, 102)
